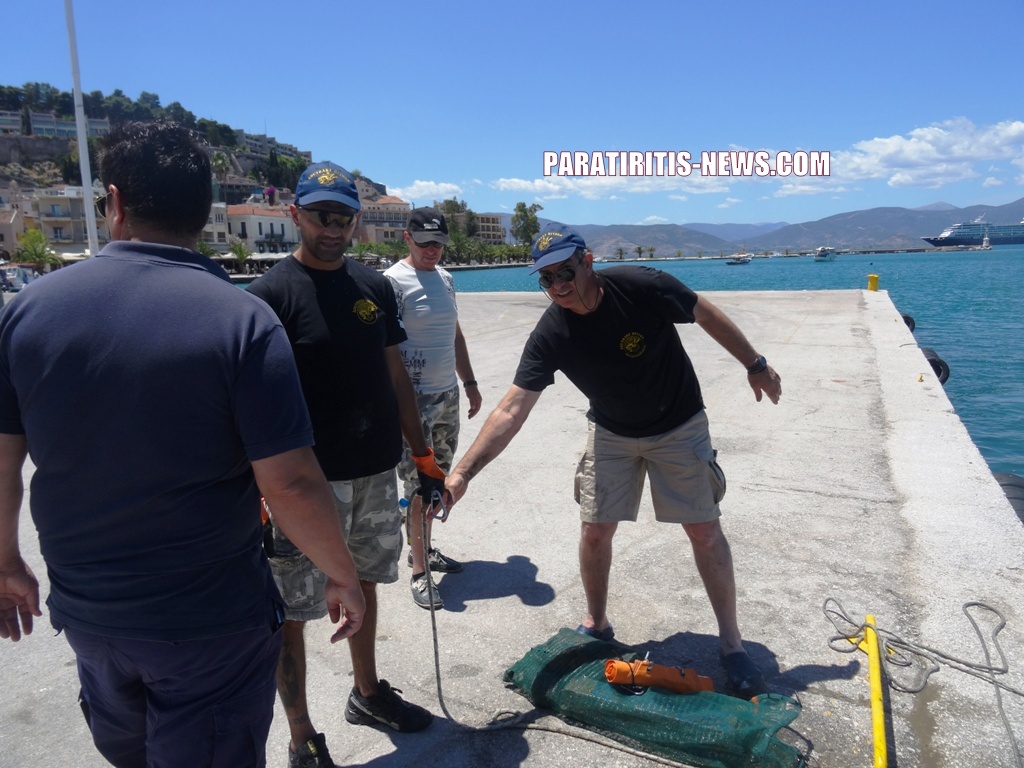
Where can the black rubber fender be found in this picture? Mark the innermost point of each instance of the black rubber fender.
(909, 321)
(1013, 487)
(937, 363)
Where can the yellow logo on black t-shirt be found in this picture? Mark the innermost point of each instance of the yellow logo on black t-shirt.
(633, 344)
(366, 311)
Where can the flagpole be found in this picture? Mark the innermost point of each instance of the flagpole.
(83, 140)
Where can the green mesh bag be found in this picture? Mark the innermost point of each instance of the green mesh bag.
(566, 674)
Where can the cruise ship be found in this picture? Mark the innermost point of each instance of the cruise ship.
(975, 232)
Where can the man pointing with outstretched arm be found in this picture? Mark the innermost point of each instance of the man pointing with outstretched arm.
(613, 335)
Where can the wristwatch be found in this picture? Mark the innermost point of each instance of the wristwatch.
(759, 365)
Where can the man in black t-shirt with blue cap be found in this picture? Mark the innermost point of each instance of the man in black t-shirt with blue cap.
(342, 321)
(613, 335)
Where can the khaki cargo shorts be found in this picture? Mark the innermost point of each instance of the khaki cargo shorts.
(368, 510)
(439, 412)
(686, 481)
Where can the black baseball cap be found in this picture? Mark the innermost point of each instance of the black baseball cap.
(427, 225)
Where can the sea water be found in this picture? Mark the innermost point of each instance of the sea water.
(967, 306)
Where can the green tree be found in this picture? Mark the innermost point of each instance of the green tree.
(118, 107)
(650, 251)
(11, 98)
(34, 248)
(241, 253)
(220, 165)
(174, 111)
(204, 248)
(524, 224)
(620, 252)
(639, 250)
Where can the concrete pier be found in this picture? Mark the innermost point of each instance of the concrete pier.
(861, 485)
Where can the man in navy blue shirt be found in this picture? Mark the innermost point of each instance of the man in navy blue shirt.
(139, 381)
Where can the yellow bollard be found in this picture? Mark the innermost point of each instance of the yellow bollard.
(872, 282)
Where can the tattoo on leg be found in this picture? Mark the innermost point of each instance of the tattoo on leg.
(287, 680)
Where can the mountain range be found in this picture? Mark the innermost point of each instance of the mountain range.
(871, 229)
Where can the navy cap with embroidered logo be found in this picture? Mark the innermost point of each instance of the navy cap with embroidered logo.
(427, 225)
(326, 182)
(555, 244)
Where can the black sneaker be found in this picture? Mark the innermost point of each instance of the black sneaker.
(424, 591)
(312, 753)
(386, 708)
(438, 563)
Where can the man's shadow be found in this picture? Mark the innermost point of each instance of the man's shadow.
(487, 579)
(447, 743)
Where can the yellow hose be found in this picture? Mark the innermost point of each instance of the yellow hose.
(877, 702)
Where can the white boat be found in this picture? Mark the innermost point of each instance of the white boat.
(738, 260)
(825, 253)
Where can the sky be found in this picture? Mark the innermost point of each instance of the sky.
(905, 103)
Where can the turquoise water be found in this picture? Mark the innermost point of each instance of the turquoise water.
(968, 307)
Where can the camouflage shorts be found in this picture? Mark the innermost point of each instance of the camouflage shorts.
(439, 412)
(368, 510)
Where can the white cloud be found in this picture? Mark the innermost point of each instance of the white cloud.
(729, 202)
(680, 198)
(932, 156)
(991, 181)
(653, 220)
(426, 190)
(603, 187)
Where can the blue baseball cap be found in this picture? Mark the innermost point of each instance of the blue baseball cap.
(326, 182)
(555, 244)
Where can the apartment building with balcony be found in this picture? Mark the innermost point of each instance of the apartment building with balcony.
(263, 228)
(60, 213)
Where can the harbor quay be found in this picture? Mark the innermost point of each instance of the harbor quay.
(861, 486)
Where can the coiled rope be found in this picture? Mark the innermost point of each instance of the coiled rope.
(905, 654)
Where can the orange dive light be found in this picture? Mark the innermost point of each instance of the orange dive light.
(647, 673)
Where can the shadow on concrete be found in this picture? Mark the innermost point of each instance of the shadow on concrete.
(487, 579)
(452, 744)
(687, 649)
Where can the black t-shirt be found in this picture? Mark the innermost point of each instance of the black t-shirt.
(339, 322)
(625, 356)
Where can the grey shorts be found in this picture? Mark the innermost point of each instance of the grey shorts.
(439, 412)
(368, 510)
(686, 481)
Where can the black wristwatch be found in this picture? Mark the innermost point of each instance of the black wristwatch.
(759, 365)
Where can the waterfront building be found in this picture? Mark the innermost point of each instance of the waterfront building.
(49, 124)
(263, 228)
(60, 213)
(215, 233)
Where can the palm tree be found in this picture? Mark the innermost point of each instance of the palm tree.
(619, 253)
(241, 253)
(639, 251)
(34, 248)
(650, 251)
(220, 165)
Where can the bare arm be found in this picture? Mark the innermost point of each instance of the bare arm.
(719, 327)
(303, 507)
(465, 371)
(19, 590)
(408, 412)
(501, 426)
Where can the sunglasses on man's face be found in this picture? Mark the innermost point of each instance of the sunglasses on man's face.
(101, 206)
(564, 275)
(431, 244)
(326, 218)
